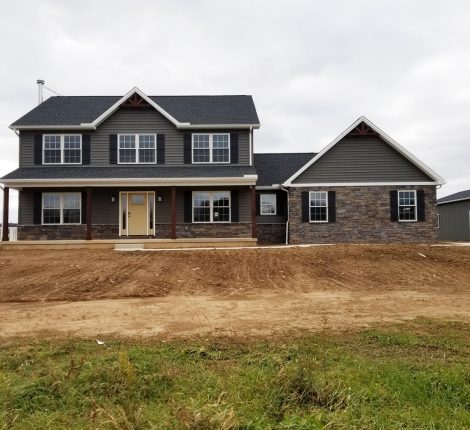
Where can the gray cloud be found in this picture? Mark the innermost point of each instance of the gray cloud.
(313, 67)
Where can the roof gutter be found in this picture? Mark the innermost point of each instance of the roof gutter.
(135, 182)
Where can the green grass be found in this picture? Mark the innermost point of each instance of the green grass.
(411, 376)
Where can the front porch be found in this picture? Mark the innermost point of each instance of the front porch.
(129, 244)
(103, 214)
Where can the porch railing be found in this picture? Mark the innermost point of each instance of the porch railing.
(13, 234)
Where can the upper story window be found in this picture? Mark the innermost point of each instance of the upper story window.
(318, 204)
(407, 206)
(62, 149)
(267, 204)
(137, 148)
(211, 148)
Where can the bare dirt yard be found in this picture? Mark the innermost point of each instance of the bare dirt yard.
(91, 293)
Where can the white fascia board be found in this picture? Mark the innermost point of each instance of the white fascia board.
(268, 187)
(438, 179)
(190, 126)
(53, 127)
(359, 184)
(134, 90)
(139, 182)
(453, 201)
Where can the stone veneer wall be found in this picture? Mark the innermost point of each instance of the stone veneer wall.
(163, 231)
(214, 230)
(362, 215)
(271, 233)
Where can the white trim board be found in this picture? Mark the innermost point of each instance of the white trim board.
(395, 145)
(357, 184)
(140, 182)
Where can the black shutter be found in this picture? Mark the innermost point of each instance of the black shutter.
(234, 148)
(85, 149)
(331, 206)
(84, 208)
(113, 149)
(187, 148)
(305, 207)
(188, 206)
(38, 149)
(421, 205)
(394, 206)
(37, 208)
(280, 202)
(258, 203)
(160, 148)
(235, 211)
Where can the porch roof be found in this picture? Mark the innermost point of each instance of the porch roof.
(147, 175)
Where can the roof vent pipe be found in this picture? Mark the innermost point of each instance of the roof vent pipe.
(40, 83)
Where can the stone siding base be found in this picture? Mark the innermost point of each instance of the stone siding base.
(362, 215)
(162, 231)
(215, 230)
(271, 233)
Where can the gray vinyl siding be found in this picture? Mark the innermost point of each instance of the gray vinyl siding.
(133, 121)
(25, 207)
(365, 159)
(454, 221)
(106, 212)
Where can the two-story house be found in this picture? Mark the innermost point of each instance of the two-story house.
(103, 167)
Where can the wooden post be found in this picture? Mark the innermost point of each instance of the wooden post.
(173, 212)
(253, 212)
(89, 213)
(6, 195)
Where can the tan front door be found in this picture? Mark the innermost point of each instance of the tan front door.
(137, 215)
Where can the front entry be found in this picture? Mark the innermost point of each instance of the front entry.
(137, 213)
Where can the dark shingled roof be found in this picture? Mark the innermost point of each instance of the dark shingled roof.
(461, 195)
(74, 110)
(274, 169)
(92, 172)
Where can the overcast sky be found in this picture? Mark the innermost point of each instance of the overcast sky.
(313, 67)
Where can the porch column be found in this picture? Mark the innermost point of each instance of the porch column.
(173, 212)
(89, 212)
(253, 212)
(6, 196)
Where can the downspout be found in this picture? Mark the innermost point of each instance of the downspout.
(250, 137)
(287, 221)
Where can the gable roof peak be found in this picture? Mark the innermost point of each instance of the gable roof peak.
(385, 137)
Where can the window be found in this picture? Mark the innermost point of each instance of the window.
(62, 149)
(211, 148)
(407, 206)
(61, 208)
(137, 148)
(267, 204)
(318, 203)
(211, 206)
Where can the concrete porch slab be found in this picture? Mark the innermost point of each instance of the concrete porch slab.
(130, 243)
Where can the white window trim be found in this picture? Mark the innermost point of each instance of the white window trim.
(211, 207)
(62, 149)
(137, 143)
(61, 209)
(310, 206)
(261, 204)
(415, 206)
(211, 148)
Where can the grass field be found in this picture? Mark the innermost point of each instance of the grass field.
(414, 376)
